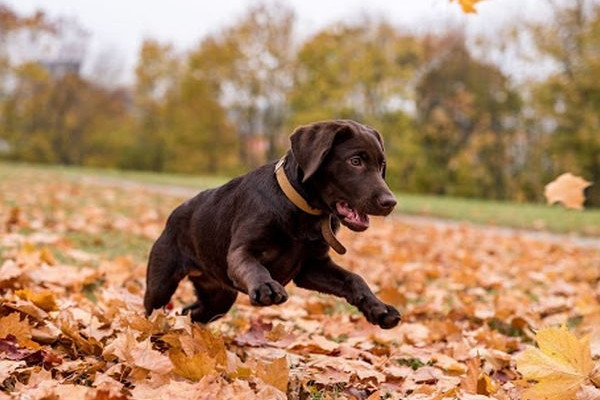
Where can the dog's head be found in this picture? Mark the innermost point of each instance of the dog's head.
(344, 161)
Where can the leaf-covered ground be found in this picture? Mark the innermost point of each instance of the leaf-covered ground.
(72, 269)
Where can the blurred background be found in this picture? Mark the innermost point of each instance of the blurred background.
(491, 105)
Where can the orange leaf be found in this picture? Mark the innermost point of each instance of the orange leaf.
(13, 325)
(470, 382)
(568, 190)
(193, 368)
(44, 299)
(468, 6)
(276, 373)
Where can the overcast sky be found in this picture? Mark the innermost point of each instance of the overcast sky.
(119, 26)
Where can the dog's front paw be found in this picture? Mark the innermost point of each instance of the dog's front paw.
(383, 315)
(388, 319)
(268, 293)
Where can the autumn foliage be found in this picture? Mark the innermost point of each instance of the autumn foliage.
(482, 311)
(462, 115)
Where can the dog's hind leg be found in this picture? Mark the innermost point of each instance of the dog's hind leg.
(165, 271)
(212, 302)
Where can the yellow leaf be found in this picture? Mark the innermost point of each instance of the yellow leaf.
(44, 299)
(47, 256)
(276, 373)
(206, 341)
(568, 190)
(560, 365)
(194, 367)
(468, 6)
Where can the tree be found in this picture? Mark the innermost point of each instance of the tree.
(360, 71)
(202, 139)
(467, 117)
(62, 120)
(251, 63)
(566, 104)
(364, 71)
(157, 74)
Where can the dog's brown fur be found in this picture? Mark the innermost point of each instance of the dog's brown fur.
(247, 236)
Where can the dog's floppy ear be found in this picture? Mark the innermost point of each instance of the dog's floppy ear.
(311, 143)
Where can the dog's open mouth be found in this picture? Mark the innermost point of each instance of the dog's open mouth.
(351, 217)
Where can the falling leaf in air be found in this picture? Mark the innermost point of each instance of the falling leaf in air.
(568, 190)
(561, 365)
(468, 6)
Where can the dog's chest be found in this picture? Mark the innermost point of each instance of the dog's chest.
(284, 257)
(282, 264)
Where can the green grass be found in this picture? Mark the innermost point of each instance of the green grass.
(152, 178)
(112, 244)
(526, 216)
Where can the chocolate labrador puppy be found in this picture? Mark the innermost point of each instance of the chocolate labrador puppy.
(275, 224)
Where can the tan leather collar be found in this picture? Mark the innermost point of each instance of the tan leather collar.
(289, 191)
(296, 198)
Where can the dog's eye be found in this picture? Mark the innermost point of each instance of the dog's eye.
(356, 161)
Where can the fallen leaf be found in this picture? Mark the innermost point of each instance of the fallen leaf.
(9, 270)
(20, 329)
(193, 367)
(567, 189)
(588, 392)
(561, 365)
(44, 299)
(7, 367)
(275, 373)
(47, 256)
(140, 354)
(470, 382)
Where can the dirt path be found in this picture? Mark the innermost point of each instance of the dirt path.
(182, 191)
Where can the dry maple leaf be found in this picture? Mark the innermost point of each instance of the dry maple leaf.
(193, 367)
(561, 365)
(468, 6)
(568, 190)
(7, 367)
(20, 329)
(128, 349)
(470, 382)
(275, 373)
(9, 270)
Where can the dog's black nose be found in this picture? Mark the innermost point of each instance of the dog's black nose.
(387, 201)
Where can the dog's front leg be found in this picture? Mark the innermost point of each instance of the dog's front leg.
(250, 276)
(325, 276)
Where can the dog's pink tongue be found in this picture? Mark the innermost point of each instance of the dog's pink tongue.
(351, 216)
